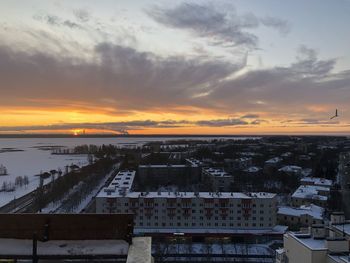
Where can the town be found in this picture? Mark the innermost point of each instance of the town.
(257, 198)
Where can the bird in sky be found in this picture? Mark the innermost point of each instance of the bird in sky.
(336, 114)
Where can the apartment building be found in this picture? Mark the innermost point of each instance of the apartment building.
(316, 181)
(218, 178)
(198, 212)
(164, 173)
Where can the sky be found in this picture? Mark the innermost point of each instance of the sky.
(175, 67)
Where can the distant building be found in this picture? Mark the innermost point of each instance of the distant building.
(165, 173)
(220, 180)
(291, 170)
(311, 194)
(252, 169)
(316, 181)
(3, 170)
(240, 163)
(302, 216)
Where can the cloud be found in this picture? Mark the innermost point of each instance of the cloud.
(82, 15)
(221, 122)
(56, 21)
(123, 79)
(250, 116)
(118, 77)
(220, 25)
(308, 64)
(126, 126)
(281, 25)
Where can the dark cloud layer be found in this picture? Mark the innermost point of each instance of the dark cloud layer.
(221, 26)
(125, 79)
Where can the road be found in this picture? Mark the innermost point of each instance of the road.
(19, 205)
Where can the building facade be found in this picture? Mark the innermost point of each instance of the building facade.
(199, 211)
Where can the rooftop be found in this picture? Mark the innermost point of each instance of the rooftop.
(317, 181)
(66, 248)
(274, 160)
(218, 172)
(219, 195)
(312, 210)
(308, 241)
(311, 192)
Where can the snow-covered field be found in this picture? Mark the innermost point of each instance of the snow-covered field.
(30, 162)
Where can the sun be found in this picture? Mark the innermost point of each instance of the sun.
(77, 132)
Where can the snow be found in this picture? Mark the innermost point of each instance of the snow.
(290, 169)
(217, 172)
(317, 181)
(312, 210)
(55, 207)
(306, 172)
(274, 160)
(140, 250)
(64, 247)
(311, 192)
(278, 229)
(310, 242)
(252, 169)
(343, 227)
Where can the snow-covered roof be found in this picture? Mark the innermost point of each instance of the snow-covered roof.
(306, 172)
(311, 210)
(310, 242)
(203, 230)
(121, 183)
(243, 159)
(274, 160)
(252, 169)
(194, 162)
(217, 172)
(316, 181)
(343, 227)
(290, 169)
(311, 192)
(183, 195)
(67, 248)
